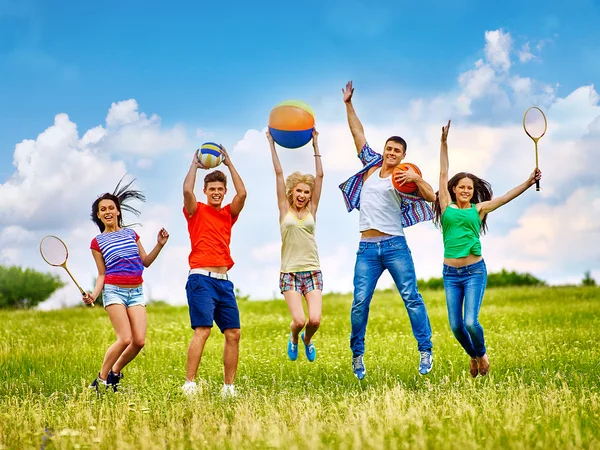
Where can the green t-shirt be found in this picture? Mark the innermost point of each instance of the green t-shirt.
(460, 228)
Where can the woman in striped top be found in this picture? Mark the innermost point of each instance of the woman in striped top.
(120, 258)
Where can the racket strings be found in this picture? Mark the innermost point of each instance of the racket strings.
(535, 123)
(53, 250)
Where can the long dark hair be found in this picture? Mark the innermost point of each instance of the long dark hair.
(120, 197)
(482, 192)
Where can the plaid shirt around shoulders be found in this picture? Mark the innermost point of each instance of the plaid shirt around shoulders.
(414, 208)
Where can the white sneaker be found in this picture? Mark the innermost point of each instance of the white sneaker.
(228, 391)
(189, 388)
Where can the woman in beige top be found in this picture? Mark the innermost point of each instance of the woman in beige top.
(298, 198)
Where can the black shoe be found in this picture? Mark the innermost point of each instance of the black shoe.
(98, 383)
(113, 380)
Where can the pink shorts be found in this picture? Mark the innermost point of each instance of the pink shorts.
(302, 282)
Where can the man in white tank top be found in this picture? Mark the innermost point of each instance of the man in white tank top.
(383, 245)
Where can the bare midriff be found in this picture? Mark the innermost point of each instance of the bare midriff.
(465, 261)
(372, 233)
(222, 269)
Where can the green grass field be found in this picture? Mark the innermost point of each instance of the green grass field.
(543, 390)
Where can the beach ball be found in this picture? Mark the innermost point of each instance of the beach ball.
(291, 123)
(407, 188)
(210, 155)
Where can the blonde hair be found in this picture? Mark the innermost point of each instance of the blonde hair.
(294, 180)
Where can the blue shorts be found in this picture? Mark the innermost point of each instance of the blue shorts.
(211, 299)
(128, 297)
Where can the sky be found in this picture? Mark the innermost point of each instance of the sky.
(89, 93)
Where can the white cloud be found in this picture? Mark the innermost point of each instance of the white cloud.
(525, 54)
(58, 174)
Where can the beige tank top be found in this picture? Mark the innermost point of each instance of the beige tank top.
(298, 246)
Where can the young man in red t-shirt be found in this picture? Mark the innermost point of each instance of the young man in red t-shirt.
(210, 294)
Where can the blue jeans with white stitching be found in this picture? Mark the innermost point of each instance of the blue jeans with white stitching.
(464, 288)
(372, 258)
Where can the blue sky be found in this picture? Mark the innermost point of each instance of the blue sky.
(215, 69)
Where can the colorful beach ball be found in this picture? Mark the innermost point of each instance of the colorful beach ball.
(291, 123)
(210, 155)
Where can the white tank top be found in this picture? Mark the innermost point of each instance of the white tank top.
(380, 206)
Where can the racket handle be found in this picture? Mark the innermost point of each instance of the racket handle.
(537, 185)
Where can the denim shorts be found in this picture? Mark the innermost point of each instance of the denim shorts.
(128, 297)
(212, 300)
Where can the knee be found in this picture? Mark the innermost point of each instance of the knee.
(139, 342)
(456, 327)
(202, 333)
(472, 325)
(124, 341)
(233, 335)
(298, 322)
(314, 322)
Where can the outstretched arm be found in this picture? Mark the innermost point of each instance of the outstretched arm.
(356, 128)
(316, 196)
(161, 240)
(491, 205)
(444, 194)
(240, 190)
(282, 202)
(189, 198)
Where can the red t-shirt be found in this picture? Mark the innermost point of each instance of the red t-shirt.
(210, 235)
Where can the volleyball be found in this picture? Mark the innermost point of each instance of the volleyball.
(291, 123)
(407, 188)
(210, 155)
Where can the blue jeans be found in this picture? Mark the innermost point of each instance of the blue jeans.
(465, 286)
(372, 259)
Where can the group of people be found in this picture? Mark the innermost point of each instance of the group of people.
(460, 208)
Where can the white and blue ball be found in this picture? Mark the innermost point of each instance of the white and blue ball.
(210, 155)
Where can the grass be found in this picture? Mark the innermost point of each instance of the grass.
(543, 390)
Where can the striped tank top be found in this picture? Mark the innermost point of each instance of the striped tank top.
(121, 256)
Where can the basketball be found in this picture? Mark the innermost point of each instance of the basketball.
(291, 123)
(210, 155)
(407, 188)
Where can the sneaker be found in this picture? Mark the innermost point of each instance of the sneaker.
(98, 383)
(228, 391)
(189, 388)
(426, 362)
(113, 380)
(358, 367)
(311, 351)
(292, 349)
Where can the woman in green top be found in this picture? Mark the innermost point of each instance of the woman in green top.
(461, 209)
(298, 199)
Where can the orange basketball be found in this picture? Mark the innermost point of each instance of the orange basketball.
(407, 188)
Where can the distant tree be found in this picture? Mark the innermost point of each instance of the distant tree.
(503, 278)
(25, 288)
(588, 280)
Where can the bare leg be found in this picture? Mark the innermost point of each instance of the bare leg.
(231, 354)
(314, 302)
(195, 350)
(137, 321)
(120, 322)
(294, 302)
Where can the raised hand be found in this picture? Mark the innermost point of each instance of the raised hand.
(445, 130)
(269, 137)
(315, 137)
(226, 159)
(348, 92)
(196, 162)
(535, 176)
(163, 237)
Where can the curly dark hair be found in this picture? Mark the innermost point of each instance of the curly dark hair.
(120, 196)
(482, 192)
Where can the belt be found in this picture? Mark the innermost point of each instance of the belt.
(219, 276)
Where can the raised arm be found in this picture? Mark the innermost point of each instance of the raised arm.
(356, 128)
(316, 196)
(489, 206)
(189, 198)
(282, 201)
(237, 204)
(161, 240)
(444, 194)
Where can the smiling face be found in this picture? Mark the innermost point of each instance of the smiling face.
(215, 193)
(301, 195)
(463, 190)
(393, 153)
(108, 213)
